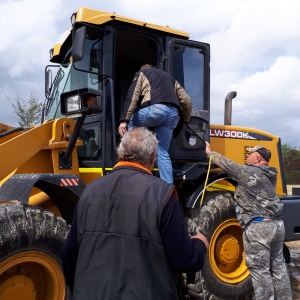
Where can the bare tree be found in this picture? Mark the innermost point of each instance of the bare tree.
(29, 111)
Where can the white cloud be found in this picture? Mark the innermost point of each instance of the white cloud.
(268, 100)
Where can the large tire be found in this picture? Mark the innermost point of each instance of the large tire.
(31, 241)
(225, 274)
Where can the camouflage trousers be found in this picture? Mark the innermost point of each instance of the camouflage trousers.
(263, 245)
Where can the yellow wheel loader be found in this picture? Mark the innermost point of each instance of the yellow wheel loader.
(45, 169)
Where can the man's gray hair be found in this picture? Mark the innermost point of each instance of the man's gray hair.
(137, 145)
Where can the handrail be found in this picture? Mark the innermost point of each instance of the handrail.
(113, 116)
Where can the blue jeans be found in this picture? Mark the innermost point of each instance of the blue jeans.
(163, 119)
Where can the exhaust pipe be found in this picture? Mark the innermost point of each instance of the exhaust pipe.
(228, 107)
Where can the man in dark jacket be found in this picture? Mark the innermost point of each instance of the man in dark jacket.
(155, 99)
(259, 212)
(128, 237)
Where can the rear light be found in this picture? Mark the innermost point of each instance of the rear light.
(90, 100)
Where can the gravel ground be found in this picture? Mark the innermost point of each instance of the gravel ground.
(294, 268)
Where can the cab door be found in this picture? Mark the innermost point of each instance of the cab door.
(188, 62)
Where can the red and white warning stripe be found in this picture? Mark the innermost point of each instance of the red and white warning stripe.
(69, 182)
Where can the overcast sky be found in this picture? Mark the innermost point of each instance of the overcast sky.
(255, 50)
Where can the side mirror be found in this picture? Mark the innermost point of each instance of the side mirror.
(79, 44)
(48, 82)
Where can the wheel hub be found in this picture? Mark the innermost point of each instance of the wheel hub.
(17, 287)
(226, 252)
(227, 249)
(31, 275)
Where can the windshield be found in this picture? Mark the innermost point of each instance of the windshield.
(52, 108)
(69, 78)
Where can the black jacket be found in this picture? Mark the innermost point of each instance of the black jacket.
(131, 239)
(151, 86)
(123, 256)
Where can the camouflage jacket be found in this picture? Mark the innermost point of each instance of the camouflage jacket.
(255, 194)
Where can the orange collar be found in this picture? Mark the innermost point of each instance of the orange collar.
(131, 164)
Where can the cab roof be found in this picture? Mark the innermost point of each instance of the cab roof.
(100, 17)
(97, 17)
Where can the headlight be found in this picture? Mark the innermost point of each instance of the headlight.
(83, 101)
(73, 104)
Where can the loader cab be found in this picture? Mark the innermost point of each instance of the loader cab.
(106, 57)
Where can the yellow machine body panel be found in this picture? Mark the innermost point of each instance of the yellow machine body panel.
(233, 141)
(41, 146)
(6, 128)
(100, 17)
(90, 174)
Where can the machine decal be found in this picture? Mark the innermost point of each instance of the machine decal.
(69, 182)
(231, 134)
(234, 134)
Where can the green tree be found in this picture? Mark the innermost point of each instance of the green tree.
(29, 111)
(291, 162)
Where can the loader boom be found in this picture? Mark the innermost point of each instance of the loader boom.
(50, 137)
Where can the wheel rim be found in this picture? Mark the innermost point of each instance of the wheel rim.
(226, 252)
(31, 275)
